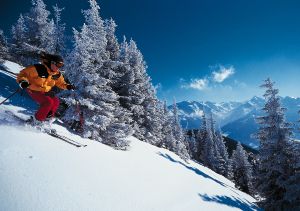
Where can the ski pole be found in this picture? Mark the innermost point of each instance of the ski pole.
(10, 96)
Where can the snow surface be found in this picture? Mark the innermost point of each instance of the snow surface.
(40, 172)
(13, 67)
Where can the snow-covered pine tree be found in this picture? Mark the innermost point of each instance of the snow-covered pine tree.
(242, 170)
(142, 91)
(113, 51)
(129, 86)
(124, 51)
(200, 139)
(293, 183)
(276, 154)
(59, 32)
(137, 94)
(219, 162)
(123, 75)
(112, 46)
(208, 154)
(209, 158)
(153, 117)
(293, 194)
(19, 40)
(4, 53)
(105, 120)
(40, 29)
(168, 140)
(113, 64)
(224, 162)
(35, 31)
(180, 147)
(192, 144)
(229, 170)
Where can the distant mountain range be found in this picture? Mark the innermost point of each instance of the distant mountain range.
(236, 119)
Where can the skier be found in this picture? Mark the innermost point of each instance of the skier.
(38, 80)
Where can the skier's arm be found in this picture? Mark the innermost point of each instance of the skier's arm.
(62, 84)
(24, 75)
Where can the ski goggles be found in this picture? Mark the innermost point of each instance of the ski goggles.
(58, 64)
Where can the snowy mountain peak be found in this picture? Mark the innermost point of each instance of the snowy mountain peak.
(237, 119)
(256, 99)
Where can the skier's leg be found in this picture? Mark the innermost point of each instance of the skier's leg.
(55, 105)
(45, 102)
(44, 109)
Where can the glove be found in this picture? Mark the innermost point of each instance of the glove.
(70, 87)
(24, 84)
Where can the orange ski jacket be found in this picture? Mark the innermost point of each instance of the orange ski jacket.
(41, 78)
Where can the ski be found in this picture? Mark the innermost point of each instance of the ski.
(64, 138)
(50, 132)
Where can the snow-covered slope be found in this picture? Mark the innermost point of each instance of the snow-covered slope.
(11, 66)
(40, 172)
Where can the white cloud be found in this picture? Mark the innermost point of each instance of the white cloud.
(199, 84)
(222, 74)
(207, 82)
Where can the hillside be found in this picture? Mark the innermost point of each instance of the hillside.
(39, 172)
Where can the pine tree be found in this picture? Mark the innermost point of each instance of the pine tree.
(105, 120)
(19, 40)
(209, 151)
(224, 162)
(180, 147)
(219, 162)
(112, 46)
(153, 117)
(4, 53)
(137, 94)
(293, 182)
(123, 76)
(192, 145)
(59, 32)
(276, 154)
(200, 139)
(168, 140)
(242, 170)
(129, 86)
(33, 33)
(124, 51)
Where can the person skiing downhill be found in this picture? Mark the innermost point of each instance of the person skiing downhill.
(39, 79)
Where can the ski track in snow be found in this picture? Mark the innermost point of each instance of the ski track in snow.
(40, 172)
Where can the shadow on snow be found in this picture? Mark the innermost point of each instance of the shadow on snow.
(197, 171)
(231, 202)
(21, 99)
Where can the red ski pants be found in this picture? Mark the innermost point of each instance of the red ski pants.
(46, 103)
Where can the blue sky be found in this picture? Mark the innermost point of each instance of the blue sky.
(217, 50)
